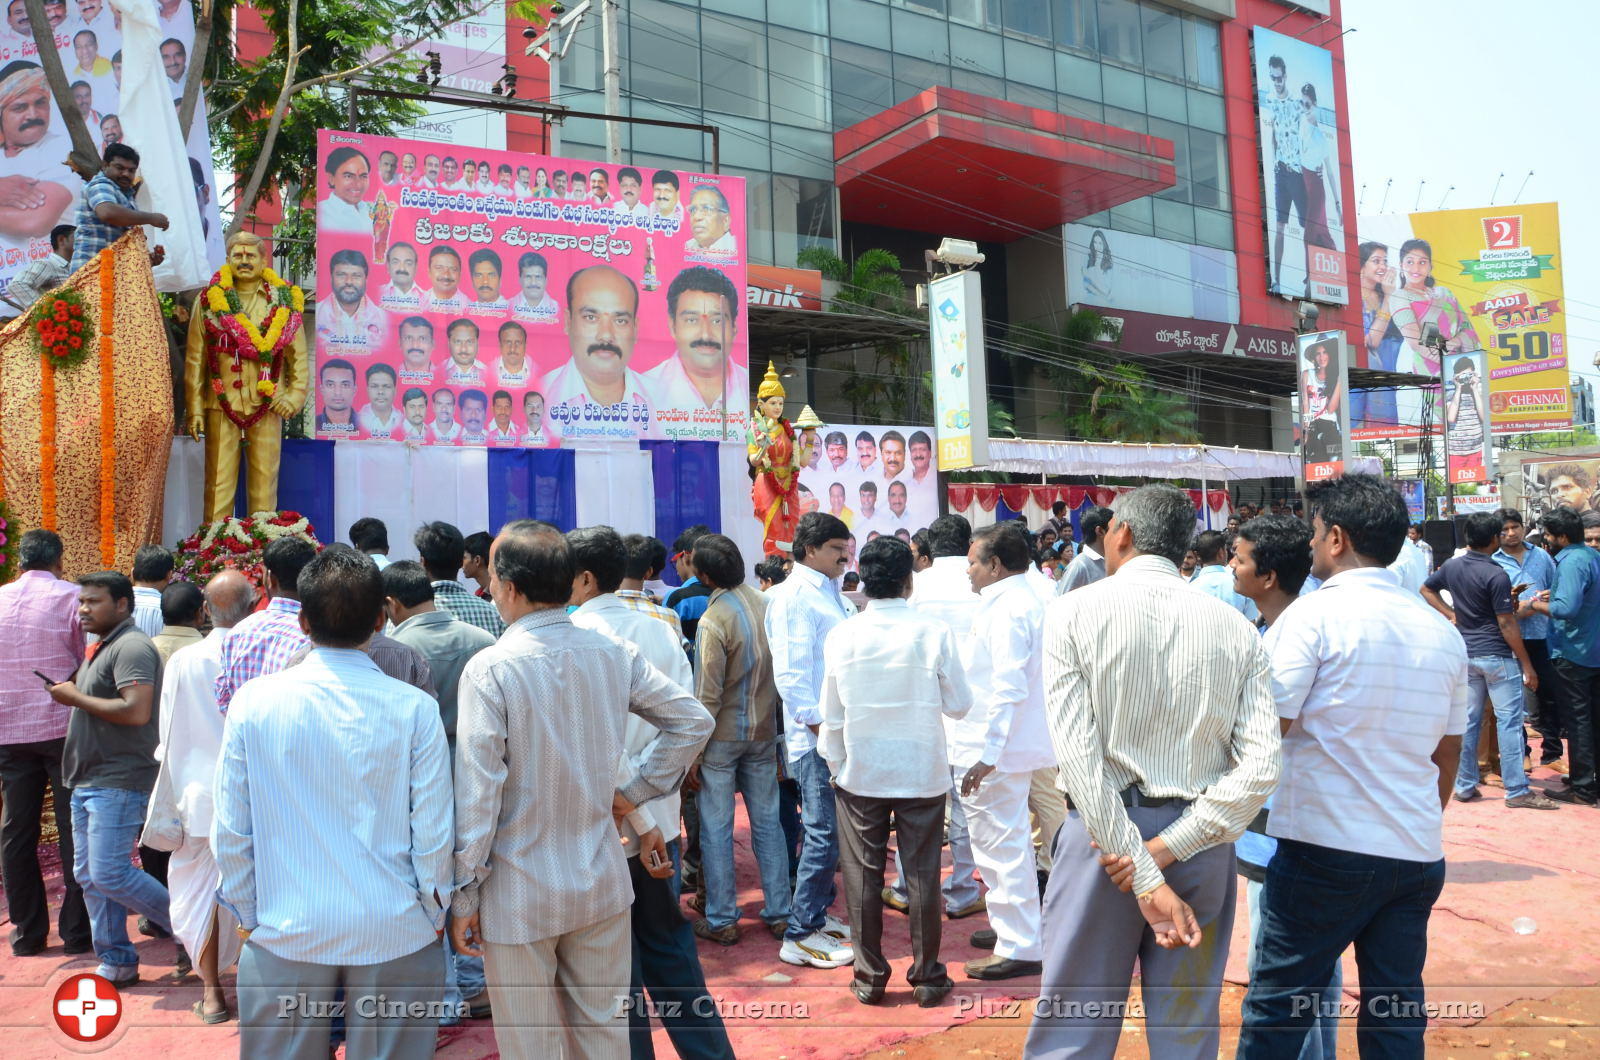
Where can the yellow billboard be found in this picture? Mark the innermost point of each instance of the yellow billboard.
(1491, 277)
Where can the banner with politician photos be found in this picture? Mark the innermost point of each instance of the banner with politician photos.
(88, 41)
(879, 480)
(492, 298)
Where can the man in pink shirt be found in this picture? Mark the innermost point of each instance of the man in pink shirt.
(39, 626)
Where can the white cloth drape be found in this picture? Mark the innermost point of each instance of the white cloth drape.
(406, 487)
(150, 126)
(738, 513)
(616, 488)
(1210, 463)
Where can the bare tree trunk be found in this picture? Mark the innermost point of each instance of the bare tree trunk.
(259, 171)
(194, 82)
(83, 159)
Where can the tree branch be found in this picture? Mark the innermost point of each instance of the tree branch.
(197, 63)
(83, 159)
(258, 172)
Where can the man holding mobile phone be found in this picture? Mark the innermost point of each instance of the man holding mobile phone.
(1533, 571)
(39, 626)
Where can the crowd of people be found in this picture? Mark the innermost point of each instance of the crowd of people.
(473, 784)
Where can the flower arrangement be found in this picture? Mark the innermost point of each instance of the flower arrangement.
(63, 327)
(238, 544)
(232, 331)
(8, 545)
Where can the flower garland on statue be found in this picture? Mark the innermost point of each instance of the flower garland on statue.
(63, 328)
(231, 330)
(238, 544)
(8, 545)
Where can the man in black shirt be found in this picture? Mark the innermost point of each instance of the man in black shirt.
(1482, 608)
(109, 762)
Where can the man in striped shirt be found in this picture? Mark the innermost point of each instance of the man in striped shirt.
(647, 558)
(339, 875)
(1159, 702)
(269, 640)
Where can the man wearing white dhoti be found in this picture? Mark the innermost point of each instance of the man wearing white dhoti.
(181, 807)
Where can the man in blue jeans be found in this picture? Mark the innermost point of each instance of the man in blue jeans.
(1371, 691)
(1484, 611)
(109, 763)
(800, 614)
(733, 668)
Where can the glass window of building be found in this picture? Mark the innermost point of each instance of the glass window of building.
(913, 76)
(977, 52)
(1123, 88)
(1029, 96)
(798, 78)
(1163, 41)
(1202, 45)
(811, 16)
(984, 13)
(1133, 217)
(920, 37)
(1205, 110)
(936, 6)
(1120, 31)
(758, 213)
(734, 57)
(1166, 100)
(1078, 76)
(980, 84)
(1179, 136)
(756, 9)
(802, 215)
(863, 83)
(1174, 220)
(1074, 23)
(859, 21)
(1213, 228)
(1031, 18)
(1030, 63)
(1087, 109)
(1208, 162)
(802, 152)
(670, 37)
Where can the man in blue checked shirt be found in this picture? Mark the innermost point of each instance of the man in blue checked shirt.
(108, 211)
(1534, 569)
(339, 874)
(1573, 605)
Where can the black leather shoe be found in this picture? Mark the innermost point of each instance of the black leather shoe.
(1572, 795)
(983, 939)
(930, 994)
(864, 993)
(993, 967)
(74, 948)
(151, 929)
(24, 948)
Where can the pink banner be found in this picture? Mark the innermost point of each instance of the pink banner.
(473, 297)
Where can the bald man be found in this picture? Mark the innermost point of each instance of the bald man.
(180, 812)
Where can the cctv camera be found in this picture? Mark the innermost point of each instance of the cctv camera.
(558, 9)
(529, 32)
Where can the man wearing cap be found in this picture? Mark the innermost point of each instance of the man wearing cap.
(28, 147)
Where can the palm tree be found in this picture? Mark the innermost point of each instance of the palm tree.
(872, 282)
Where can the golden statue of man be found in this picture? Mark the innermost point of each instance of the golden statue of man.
(245, 372)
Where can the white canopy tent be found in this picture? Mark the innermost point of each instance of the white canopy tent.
(1207, 463)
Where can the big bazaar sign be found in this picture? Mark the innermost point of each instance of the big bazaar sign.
(775, 288)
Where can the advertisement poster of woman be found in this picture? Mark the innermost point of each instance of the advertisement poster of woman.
(1467, 417)
(1324, 413)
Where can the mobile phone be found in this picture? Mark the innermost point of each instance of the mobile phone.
(46, 680)
(656, 860)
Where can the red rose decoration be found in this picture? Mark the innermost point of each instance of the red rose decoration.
(59, 306)
(216, 386)
(75, 342)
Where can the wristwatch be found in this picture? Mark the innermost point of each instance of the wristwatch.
(243, 932)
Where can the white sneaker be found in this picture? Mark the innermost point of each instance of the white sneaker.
(835, 928)
(817, 950)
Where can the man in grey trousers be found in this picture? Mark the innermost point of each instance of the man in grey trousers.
(1159, 702)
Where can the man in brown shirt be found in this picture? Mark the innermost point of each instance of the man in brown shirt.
(734, 683)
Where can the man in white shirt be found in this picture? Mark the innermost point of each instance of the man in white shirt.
(1371, 686)
(533, 301)
(45, 275)
(1411, 566)
(892, 677)
(444, 430)
(533, 419)
(997, 747)
(401, 292)
(415, 404)
(1089, 565)
(1214, 578)
(595, 393)
(503, 431)
(666, 963)
(474, 405)
(703, 315)
(513, 369)
(664, 196)
(179, 819)
(379, 418)
(710, 225)
(483, 269)
(801, 612)
(344, 209)
(444, 272)
(463, 368)
(538, 787)
(629, 183)
(1160, 713)
(339, 876)
(352, 326)
(415, 339)
(944, 592)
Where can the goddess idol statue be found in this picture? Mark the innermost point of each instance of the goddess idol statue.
(776, 456)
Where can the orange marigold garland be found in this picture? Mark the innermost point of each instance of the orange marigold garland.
(108, 422)
(47, 442)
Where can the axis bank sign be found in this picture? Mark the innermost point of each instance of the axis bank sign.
(775, 288)
(1149, 333)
